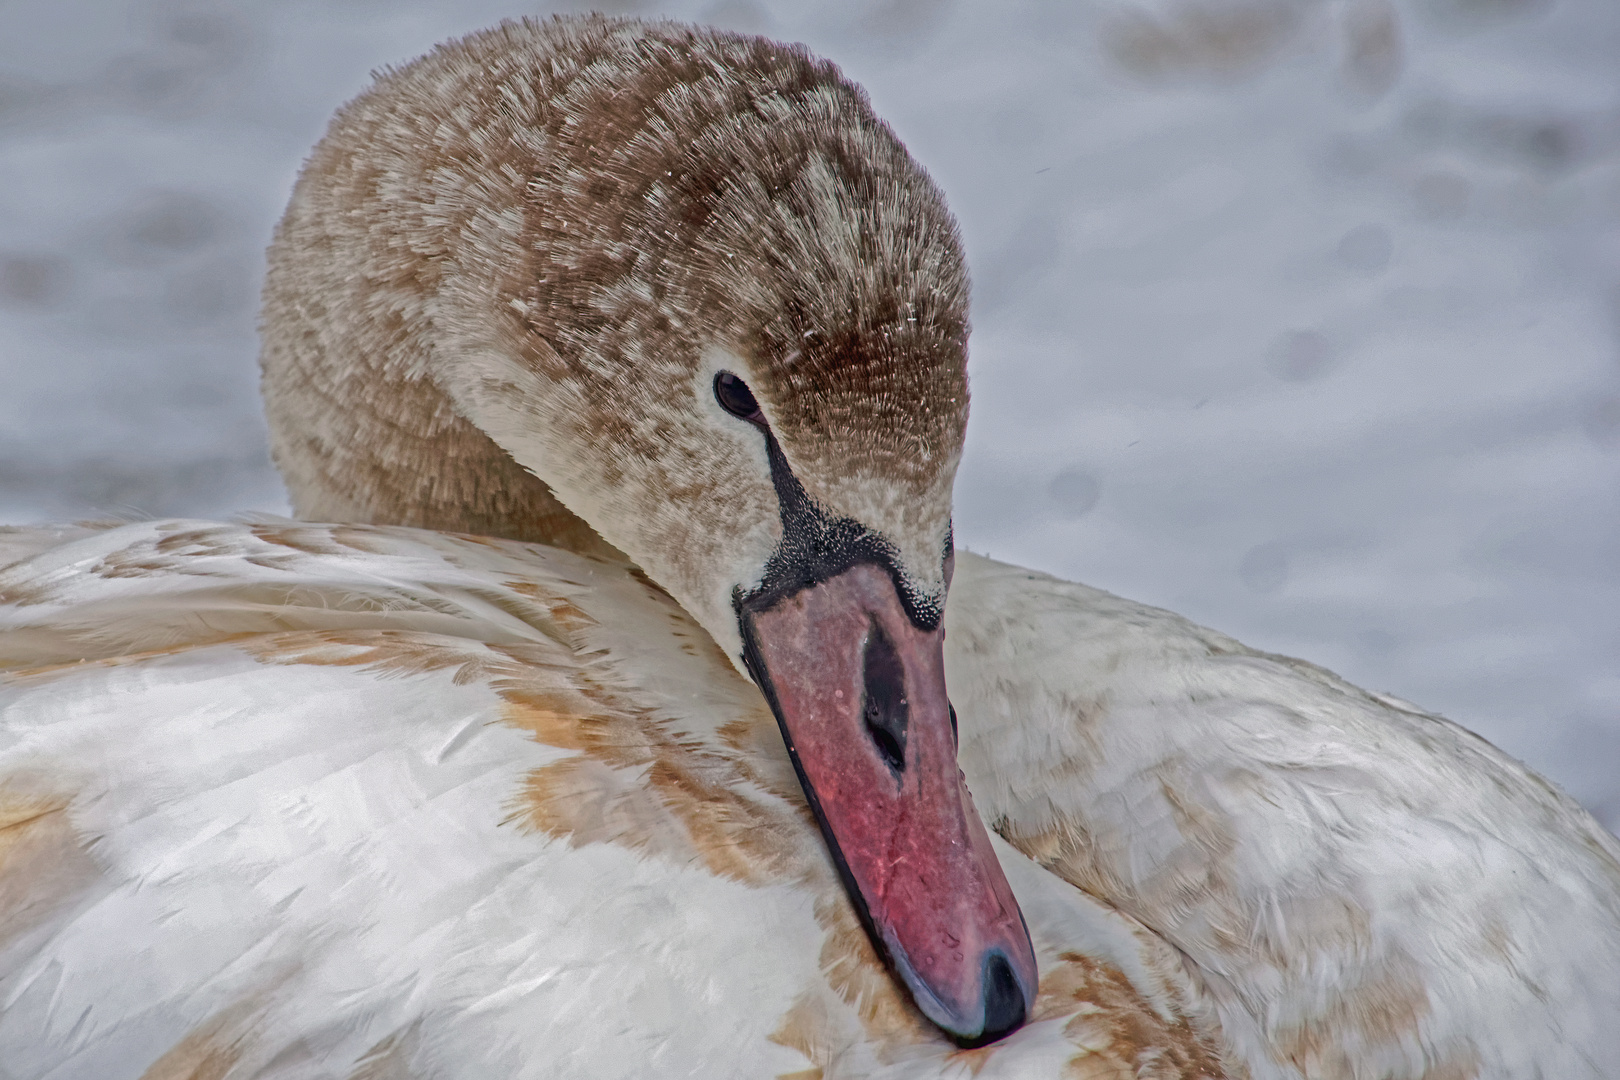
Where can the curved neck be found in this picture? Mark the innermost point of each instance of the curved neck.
(364, 447)
(361, 276)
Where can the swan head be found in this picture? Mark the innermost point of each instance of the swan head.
(689, 281)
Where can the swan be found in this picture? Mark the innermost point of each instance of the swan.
(606, 731)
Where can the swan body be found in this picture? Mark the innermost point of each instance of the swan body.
(1364, 889)
(527, 771)
(330, 801)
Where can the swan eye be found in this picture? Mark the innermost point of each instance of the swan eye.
(735, 397)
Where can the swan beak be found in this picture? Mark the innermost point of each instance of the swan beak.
(859, 692)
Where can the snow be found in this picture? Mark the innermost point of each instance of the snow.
(1300, 318)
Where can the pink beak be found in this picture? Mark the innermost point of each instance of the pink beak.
(859, 691)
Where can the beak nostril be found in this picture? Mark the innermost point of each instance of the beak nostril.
(884, 706)
(1004, 1006)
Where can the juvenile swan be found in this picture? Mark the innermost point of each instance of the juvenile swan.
(612, 731)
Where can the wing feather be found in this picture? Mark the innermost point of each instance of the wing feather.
(325, 801)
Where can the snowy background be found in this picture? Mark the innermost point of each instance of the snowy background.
(1299, 317)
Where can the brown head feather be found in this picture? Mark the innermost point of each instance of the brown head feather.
(526, 244)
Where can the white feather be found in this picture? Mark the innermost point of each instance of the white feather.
(298, 862)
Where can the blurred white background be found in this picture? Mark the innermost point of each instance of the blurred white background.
(1299, 317)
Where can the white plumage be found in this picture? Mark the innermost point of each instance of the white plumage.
(283, 800)
(330, 799)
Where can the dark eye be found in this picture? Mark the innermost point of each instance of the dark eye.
(735, 397)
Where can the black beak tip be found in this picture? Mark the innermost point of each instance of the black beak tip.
(1004, 1006)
